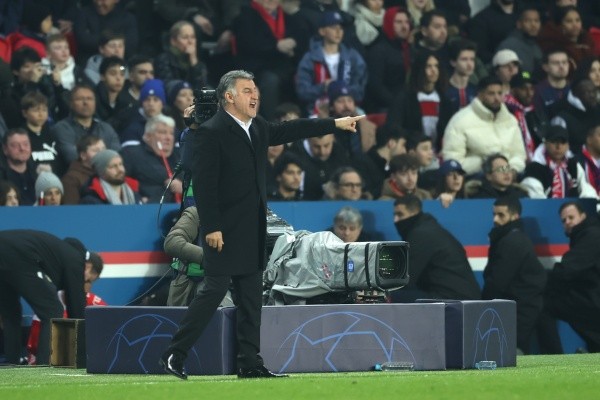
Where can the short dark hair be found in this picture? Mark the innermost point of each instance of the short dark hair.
(385, 132)
(416, 139)
(336, 176)
(488, 81)
(428, 16)
(412, 202)
(108, 62)
(527, 8)
(97, 262)
(489, 161)
(285, 108)
(13, 132)
(33, 99)
(107, 35)
(285, 159)
(23, 56)
(404, 162)
(511, 202)
(458, 46)
(86, 141)
(552, 51)
(573, 203)
(138, 59)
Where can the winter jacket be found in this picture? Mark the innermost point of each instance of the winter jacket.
(475, 132)
(438, 262)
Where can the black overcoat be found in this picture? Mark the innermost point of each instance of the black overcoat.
(228, 174)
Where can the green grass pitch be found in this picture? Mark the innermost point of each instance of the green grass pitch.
(535, 377)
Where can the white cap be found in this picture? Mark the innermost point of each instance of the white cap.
(504, 57)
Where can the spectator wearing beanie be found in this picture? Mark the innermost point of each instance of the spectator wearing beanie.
(180, 95)
(49, 189)
(110, 185)
(152, 103)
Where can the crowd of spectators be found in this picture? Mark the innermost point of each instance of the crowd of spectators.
(504, 102)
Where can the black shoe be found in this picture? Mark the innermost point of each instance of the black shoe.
(258, 372)
(173, 365)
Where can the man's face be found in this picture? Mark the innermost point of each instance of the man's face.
(140, 74)
(89, 275)
(402, 26)
(436, 33)
(491, 97)
(290, 178)
(344, 106)
(36, 115)
(152, 106)
(524, 94)
(269, 5)
(114, 78)
(52, 197)
(397, 146)
(348, 232)
(454, 181)
(557, 149)
(406, 180)
(28, 71)
(115, 171)
(350, 187)
(321, 147)
(83, 103)
(114, 47)
(332, 34)
(570, 218)
(18, 148)
(163, 134)
(464, 65)
(507, 71)
(103, 7)
(503, 216)
(501, 176)
(594, 73)
(424, 153)
(243, 103)
(275, 151)
(401, 213)
(59, 52)
(557, 66)
(529, 23)
(586, 92)
(91, 151)
(593, 142)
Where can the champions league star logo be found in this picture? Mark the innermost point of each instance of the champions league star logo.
(338, 335)
(490, 340)
(133, 341)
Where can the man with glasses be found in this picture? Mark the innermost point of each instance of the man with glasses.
(500, 180)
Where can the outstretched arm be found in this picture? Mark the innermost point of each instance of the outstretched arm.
(348, 123)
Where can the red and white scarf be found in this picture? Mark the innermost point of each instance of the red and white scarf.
(519, 111)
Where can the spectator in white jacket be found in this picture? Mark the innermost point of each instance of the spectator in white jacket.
(483, 128)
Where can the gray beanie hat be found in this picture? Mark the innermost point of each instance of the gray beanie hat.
(46, 181)
(102, 158)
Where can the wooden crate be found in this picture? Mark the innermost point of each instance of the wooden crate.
(67, 337)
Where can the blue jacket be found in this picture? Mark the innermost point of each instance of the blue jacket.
(352, 70)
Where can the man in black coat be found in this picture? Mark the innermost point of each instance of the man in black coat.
(513, 270)
(228, 167)
(35, 265)
(573, 292)
(439, 268)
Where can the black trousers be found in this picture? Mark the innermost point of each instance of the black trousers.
(248, 298)
(41, 294)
